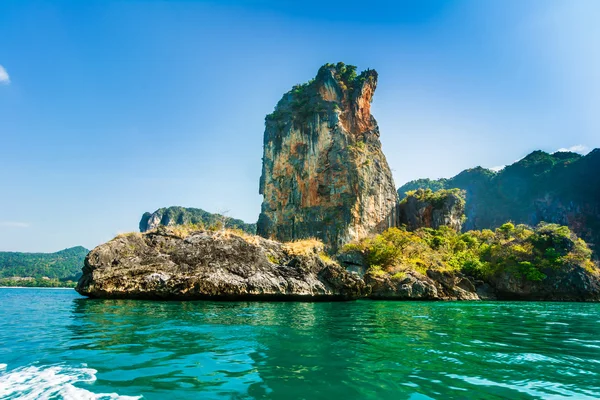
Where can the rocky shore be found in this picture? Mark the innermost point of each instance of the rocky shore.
(175, 265)
(324, 176)
(573, 285)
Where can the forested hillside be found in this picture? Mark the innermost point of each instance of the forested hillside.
(63, 265)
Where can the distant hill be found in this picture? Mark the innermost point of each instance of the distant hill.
(561, 188)
(182, 216)
(62, 265)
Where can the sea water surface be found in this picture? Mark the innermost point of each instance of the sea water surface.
(55, 344)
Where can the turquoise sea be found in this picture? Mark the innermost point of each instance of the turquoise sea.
(55, 344)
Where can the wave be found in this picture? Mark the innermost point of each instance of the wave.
(35, 382)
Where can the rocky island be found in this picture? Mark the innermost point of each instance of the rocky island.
(333, 227)
(324, 174)
(180, 263)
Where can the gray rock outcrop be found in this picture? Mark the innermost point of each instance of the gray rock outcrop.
(572, 284)
(163, 264)
(412, 285)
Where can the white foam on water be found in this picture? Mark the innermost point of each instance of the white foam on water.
(50, 382)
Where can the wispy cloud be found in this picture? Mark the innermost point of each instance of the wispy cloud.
(578, 148)
(4, 78)
(12, 224)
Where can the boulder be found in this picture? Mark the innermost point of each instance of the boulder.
(566, 284)
(428, 209)
(165, 264)
(412, 285)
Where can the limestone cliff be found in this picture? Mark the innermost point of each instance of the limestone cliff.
(324, 174)
(172, 216)
(427, 209)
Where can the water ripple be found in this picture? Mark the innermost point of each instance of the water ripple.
(359, 350)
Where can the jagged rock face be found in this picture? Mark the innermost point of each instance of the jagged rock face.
(212, 265)
(173, 216)
(572, 284)
(324, 174)
(415, 286)
(423, 211)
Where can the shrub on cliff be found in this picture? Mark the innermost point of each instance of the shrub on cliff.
(563, 187)
(527, 253)
(437, 197)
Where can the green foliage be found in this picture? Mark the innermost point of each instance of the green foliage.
(530, 272)
(346, 73)
(376, 270)
(62, 265)
(507, 228)
(358, 146)
(272, 259)
(399, 276)
(325, 258)
(563, 187)
(437, 198)
(519, 250)
(433, 185)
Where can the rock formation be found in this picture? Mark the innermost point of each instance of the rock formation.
(170, 264)
(437, 285)
(173, 216)
(427, 209)
(324, 174)
(562, 188)
(572, 284)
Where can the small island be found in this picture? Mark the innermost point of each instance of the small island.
(333, 226)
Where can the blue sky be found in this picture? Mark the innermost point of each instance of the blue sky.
(112, 108)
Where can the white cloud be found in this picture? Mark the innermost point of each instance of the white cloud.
(498, 168)
(4, 78)
(12, 224)
(578, 148)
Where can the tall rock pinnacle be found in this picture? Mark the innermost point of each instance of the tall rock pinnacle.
(324, 174)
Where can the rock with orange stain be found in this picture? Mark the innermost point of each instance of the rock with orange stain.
(324, 173)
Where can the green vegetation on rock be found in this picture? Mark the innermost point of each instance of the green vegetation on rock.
(562, 188)
(523, 252)
(437, 197)
(303, 100)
